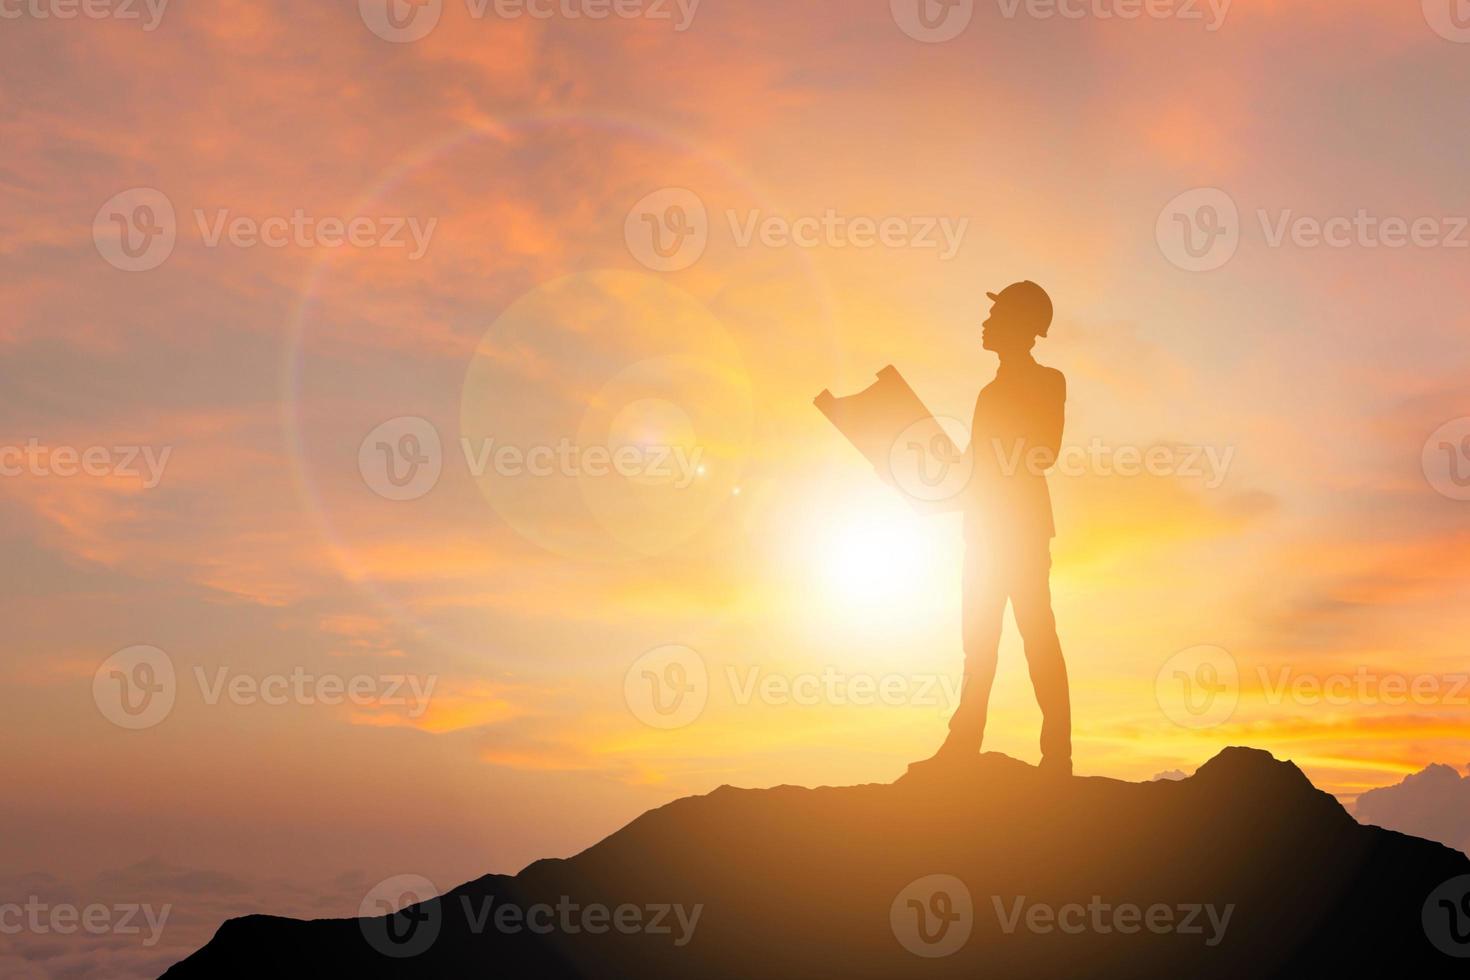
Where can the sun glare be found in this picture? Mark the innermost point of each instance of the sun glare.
(873, 558)
(875, 554)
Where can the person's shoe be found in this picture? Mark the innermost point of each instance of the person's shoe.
(1055, 768)
(953, 750)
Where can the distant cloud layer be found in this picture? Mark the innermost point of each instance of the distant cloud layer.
(137, 921)
(1433, 803)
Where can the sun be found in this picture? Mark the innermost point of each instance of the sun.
(874, 555)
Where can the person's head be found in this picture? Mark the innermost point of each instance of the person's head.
(1018, 315)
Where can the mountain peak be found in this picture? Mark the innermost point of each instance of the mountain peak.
(986, 865)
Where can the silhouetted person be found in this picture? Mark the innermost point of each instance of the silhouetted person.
(1014, 440)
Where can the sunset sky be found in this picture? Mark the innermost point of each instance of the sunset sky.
(523, 151)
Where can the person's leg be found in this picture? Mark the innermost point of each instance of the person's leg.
(1031, 601)
(984, 605)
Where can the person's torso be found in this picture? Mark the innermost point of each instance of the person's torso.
(1009, 436)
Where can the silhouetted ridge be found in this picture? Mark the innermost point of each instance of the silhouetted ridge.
(1260, 874)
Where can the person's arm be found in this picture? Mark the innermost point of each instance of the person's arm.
(1052, 418)
(966, 456)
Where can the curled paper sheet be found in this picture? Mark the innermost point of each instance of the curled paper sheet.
(906, 444)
